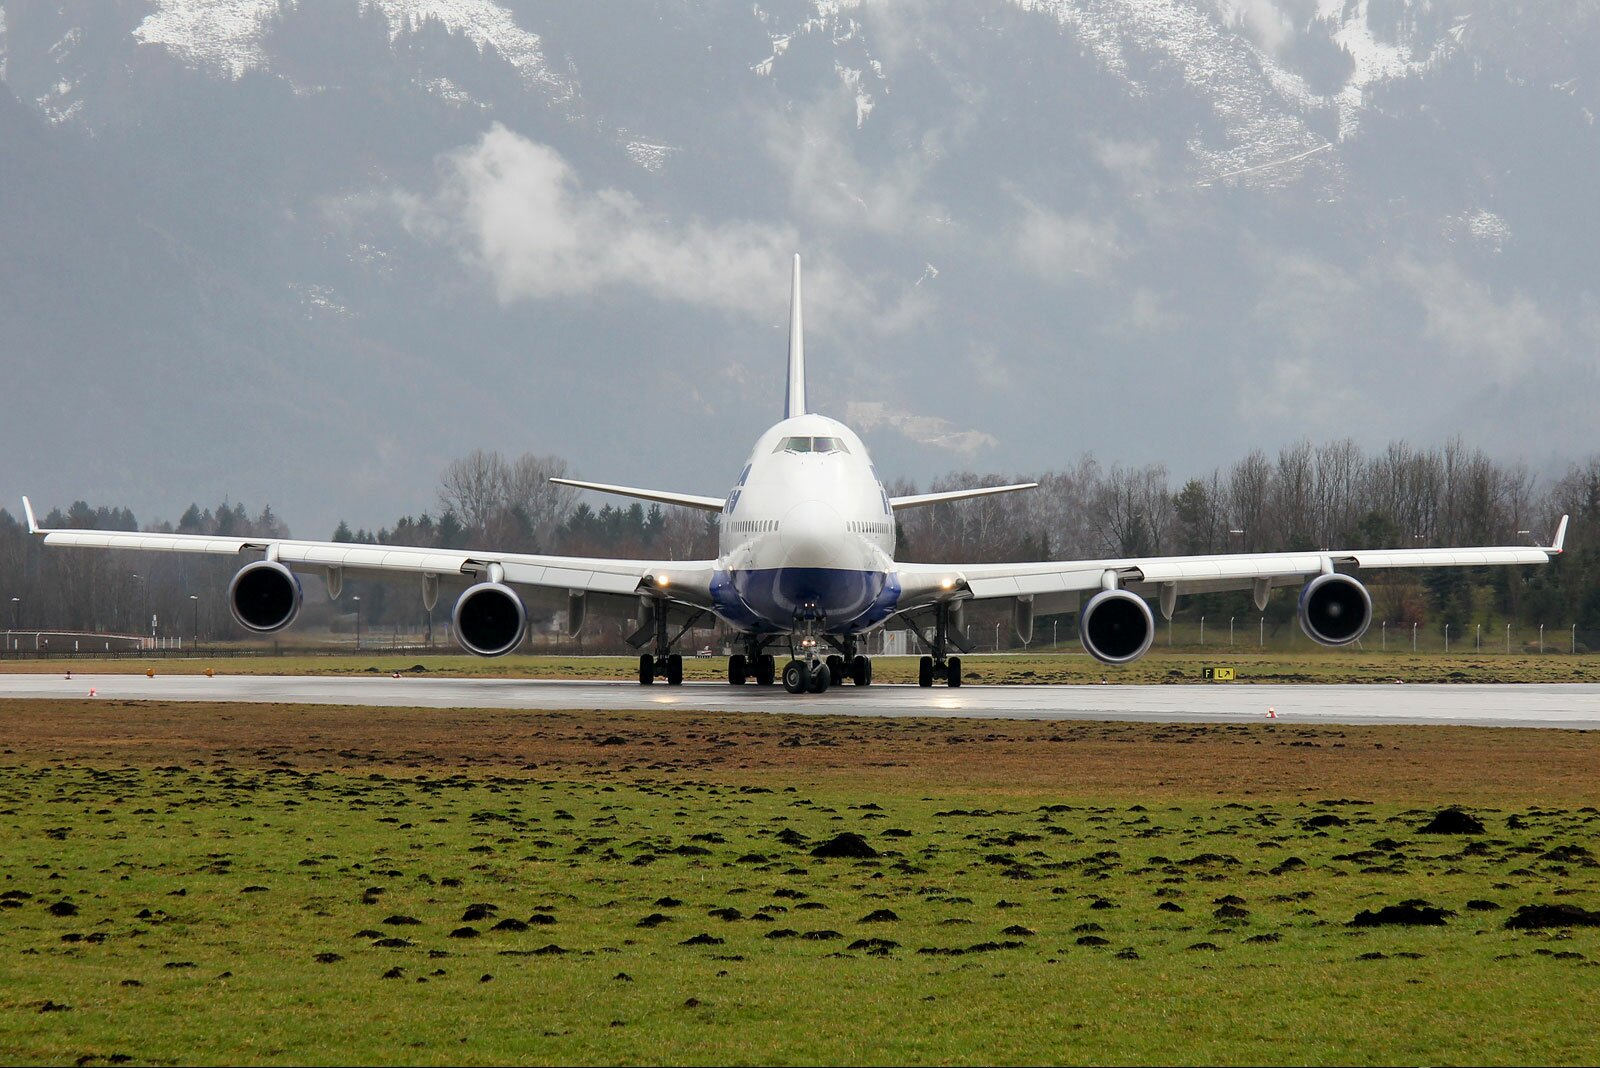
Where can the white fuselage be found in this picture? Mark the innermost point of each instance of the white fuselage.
(807, 534)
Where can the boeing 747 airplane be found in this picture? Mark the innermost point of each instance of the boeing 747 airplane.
(806, 566)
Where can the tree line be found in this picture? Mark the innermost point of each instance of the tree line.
(1305, 497)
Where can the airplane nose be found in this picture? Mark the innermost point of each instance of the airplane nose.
(812, 535)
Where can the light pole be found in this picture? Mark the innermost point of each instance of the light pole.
(1413, 637)
(997, 637)
(1261, 643)
(1574, 639)
(1477, 636)
(194, 599)
(1054, 623)
(357, 599)
(1447, 639)
(16, 613)
(1383, 634)
(1541, 638)
(1202, 630)
(1230, 632)
(1508, 637)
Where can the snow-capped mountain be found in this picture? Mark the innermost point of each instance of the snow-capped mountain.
(343, 241)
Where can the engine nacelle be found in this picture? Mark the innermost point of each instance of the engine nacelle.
(264, 596)
(490, 619)
(1116, 627)
(1335, 609)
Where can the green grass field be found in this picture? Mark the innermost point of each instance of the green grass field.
(615, 906)
(1335, 665)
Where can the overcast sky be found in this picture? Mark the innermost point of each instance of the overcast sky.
(305, 256)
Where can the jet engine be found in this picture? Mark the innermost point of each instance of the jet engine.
(1116, 627)
(490, 619)
(1334, 609)
(264, 596)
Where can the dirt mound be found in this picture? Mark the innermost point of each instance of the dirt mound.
(702, 939)
(1453, 821)
(848, 845)
(1327, 819)
(1406, 914)
(880, 916)
(1537, 917)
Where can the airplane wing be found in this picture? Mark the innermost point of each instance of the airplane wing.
(688, 582)
(921, 499)
(683, 500)
(1057, 584)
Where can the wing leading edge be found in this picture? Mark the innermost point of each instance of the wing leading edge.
(688, 581)
(927, 583)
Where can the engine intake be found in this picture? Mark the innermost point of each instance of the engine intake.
(1335, 609)
(1116, 627)
(264, 596)
(490, 619)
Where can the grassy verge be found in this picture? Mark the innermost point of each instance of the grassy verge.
(237, 884)
(1338, 666)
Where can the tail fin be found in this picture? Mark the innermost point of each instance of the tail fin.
(794, 398)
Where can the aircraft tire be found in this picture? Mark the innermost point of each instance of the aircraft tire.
(737, 672)
(820, 678)
(766, 670)
(925, 672)
(835, 668)
(796, 676)
(675, 669)
(952, 677)
(647, 669)
(861, 671)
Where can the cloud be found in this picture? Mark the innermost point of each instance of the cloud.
(1498, 339)
(1056, 246)
(1265, 23)
(867, 416)
(521, 212)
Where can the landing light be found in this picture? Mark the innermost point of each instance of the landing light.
(948, 584)
(663, 581)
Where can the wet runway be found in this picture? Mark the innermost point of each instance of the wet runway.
(1571, 706)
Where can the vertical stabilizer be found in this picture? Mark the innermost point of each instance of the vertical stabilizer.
(794, 398)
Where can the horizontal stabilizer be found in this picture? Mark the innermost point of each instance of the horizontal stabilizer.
(921, 499)
(683, 500)
(1555, 546)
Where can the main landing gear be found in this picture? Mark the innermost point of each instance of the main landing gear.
(752, 664)
(663, 663)
(938, 666)
(669, 667)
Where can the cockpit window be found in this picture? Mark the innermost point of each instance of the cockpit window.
(811, 445)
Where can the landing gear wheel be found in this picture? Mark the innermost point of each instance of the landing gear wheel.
(861, 671)
(836, 668)
(820, 677)
(647, 669)
(925, 672)
(766, 670)
(737, 672)
(797, 676)
(675, 669)
(952, 669)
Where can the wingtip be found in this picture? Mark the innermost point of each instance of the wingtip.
(27, 509)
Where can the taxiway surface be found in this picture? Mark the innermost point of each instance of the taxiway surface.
(1569, 706)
